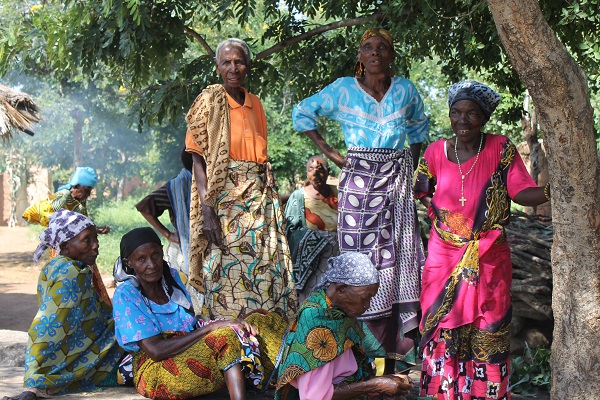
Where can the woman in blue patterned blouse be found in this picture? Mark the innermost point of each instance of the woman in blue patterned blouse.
(378, 113)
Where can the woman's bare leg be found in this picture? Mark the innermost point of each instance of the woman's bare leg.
(234, 380)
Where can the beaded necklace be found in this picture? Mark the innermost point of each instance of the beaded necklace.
(463, 176)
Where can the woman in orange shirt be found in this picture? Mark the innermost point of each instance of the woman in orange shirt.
(239, 257)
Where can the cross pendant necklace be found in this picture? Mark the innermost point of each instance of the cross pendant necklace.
(463, 176)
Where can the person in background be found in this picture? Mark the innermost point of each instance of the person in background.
(72, 196)
(311, 226)
(239, 256)
(378, 113)
(326, 351)
(174, 197)
(467, 183)
(72, 346)
(175, 355)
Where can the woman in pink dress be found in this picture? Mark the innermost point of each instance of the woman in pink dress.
(467, 182)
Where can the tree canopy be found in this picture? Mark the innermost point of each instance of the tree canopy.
(161, 51)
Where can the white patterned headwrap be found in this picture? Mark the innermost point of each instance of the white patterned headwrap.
(481, 94)
(64, 225)
(351, 268)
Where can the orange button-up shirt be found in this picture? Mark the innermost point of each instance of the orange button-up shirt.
(248, 130)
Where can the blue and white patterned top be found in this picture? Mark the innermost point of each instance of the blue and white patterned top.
(136, 319)
(365, 122)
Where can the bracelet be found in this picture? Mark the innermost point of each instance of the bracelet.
(547, 191)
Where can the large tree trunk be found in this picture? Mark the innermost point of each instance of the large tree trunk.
(560, 92)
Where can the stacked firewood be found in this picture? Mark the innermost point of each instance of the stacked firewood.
(530, 241)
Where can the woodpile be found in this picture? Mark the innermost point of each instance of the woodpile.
(530, 240)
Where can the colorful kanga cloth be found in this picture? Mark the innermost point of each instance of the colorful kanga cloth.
(40, 212)
(72, 346)
(318, 336)
(467, 348)
(377, 217)
(311, 227)
(253, 269)
(199, 369)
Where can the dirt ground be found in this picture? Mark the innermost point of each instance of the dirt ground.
(18, 278)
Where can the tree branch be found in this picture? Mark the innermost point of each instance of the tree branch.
(317, 31)
(200, 39)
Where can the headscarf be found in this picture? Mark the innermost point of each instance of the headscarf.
(359, 69)
(121, 272)
(481, 94)
(352, 269)
(84, 176)
(64, 225)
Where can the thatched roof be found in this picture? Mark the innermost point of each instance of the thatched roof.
(17, 112)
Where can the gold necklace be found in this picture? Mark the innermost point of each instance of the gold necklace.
(463, 176)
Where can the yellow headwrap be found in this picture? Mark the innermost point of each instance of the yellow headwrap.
(359, 69)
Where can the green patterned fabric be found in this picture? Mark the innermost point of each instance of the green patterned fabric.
(72, 345)
(320, 334)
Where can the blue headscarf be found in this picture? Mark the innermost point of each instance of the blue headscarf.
(84, 176)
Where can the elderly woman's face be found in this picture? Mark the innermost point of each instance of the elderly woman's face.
(355, 300)
(80, 192)
(376, 55)
(146, 262)
(83, 247)
(232, 66)
(317, 172)
(467, 119)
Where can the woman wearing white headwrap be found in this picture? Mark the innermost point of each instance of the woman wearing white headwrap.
(327, 347)
(467, 182)
(72, 345)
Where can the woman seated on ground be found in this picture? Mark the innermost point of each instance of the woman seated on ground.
(175, 355)
(311, 226)
(72, 346)
(326, 352)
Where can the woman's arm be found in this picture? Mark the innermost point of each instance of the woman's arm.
(388, 385)
(331, 153)
(160, 227)
(159, 348)
(533, 196)
(415, 152)
(212, 226)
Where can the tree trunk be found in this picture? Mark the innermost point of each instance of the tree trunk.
(77, 115)
(560, 92)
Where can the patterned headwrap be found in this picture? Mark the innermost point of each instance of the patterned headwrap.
(352, 268)
(64, 225)
(481, 94)
(359, 69)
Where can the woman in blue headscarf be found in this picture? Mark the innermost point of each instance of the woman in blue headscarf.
(72, 196)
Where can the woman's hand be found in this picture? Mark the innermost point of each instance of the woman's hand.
(212, 226)
(340, 161)
(173, 237)
(103, 230)
(392, 385)
(239, 323)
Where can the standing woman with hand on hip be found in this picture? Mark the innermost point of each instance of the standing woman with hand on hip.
(239, 256)
(467, 182)
(376, 212)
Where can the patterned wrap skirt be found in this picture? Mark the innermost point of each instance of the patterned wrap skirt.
(199, 369)
(377, 216)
